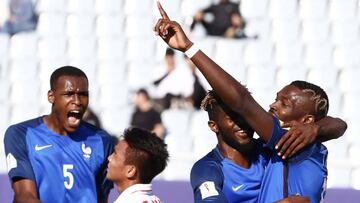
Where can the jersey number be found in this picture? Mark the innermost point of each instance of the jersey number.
(67, 174)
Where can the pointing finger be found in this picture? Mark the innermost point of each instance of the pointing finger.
(162, 11)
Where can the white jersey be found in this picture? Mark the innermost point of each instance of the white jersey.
(138, 193)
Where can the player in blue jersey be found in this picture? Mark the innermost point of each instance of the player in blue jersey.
(298, 103)
(233, 171)
(58, 157)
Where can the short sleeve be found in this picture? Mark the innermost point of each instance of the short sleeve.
(16, 151)
(207, 182)
(103, 185)
(277, 133)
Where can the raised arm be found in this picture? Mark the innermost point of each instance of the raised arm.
(25, 191)
(231, 91)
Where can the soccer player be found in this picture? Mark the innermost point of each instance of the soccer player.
(234, 169)
(137, 159)
(58, 157)
(297, 103)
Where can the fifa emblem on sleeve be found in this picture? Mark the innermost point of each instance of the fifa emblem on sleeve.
(86, 151)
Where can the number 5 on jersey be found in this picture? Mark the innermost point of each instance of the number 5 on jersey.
(67, 174)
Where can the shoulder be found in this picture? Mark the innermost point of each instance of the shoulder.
(19, 129)
(106, 138)
(208, 167)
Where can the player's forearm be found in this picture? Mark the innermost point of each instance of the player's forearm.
(229, 89)
(330, 128)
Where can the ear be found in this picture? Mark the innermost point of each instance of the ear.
(51, 96)
(213, 126)
(131, 171)
(308, 119)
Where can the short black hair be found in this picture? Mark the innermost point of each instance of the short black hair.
(317, 94)
(169, 52)
(144, 92)
(146, 151)
(65, 71)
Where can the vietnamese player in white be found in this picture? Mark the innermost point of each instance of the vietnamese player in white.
(136, 160)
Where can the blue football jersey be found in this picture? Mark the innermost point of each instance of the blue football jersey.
(65, 168)
(307, 172)
(215, 178)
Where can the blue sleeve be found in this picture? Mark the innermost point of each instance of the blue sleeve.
(103, 185)
(210, 173)
(16, 152)
(277, 133)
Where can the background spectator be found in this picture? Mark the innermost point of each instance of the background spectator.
(22, 17)
(222, 19)
(145, 116)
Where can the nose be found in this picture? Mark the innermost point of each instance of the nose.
(76, 99)
(273, 106)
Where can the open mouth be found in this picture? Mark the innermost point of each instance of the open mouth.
(74, 117)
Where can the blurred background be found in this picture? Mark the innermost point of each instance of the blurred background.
(113, 42)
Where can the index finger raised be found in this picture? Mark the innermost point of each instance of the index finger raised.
(162, 11)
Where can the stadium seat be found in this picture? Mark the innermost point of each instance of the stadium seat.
(340, 10)
(80, 25)
(111, 71)
(204, 140)
(260, 28)
(135, 49)
(23, 70)
(88, 65)
(80, 6)
(23, 112)
(254, 9)
(179, 144)
(52, 48)
(334, 172)
(318, 55)
(351, 100)
(178, 169)
(285, 76)
(258, 53)
(207, 45)
(348, 79)
(113, 94)
(5, 85)
(51, 6)
(289, 54)
(315, 31)
(229, 51)
(115, 123)
(313, 10)
(335, 99)
(4, 52)
(138, 74)
(109, 25)
(316, 75)
(353, 130)
(176, 121)
(346, 56)
(51, 24)
(24, 45)
(108, 7)
(285, 30)
(355, 178)
(138, 26)
(81, 47)
(344, 33)
(283, 9)
(5, 116)
(264, 96)
(261, 76)
(132, 7)
(111, 48)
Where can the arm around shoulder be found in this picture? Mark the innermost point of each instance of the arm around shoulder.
(330, 128)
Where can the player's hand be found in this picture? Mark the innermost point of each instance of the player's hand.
(171, 32)
(298, 136)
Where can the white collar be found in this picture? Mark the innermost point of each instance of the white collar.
(133, 189)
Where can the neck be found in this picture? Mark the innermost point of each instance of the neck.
(232, 154)
(53, 123)
(125, 184)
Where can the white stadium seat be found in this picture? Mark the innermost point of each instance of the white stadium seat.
(285, 30)
(81, 6)
(340, 10)
(108, 7)
(318, 55)
(289, 54)
(345, 32)
(254, 9)
(283, 9)
(80, 25)
(52, 6)
(315, 31)
(109, 25)
(52, 47)
(51, 24)
(313, 10)
(24, 45)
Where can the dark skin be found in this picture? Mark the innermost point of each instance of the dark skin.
(223, 125)
(240, 100)
(70, 94)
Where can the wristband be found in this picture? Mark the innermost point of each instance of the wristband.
(192, 51)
